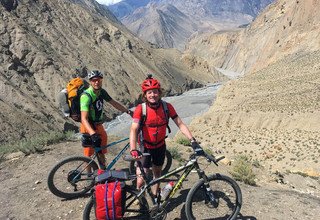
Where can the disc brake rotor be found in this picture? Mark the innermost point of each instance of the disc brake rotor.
(74, 176)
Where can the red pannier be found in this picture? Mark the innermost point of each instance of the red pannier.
(109, 198)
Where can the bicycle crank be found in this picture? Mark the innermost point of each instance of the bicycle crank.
(158, 213)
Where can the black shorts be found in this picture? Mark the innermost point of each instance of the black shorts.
(156, 157)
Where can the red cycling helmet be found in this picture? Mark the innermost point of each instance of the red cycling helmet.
(150, 83)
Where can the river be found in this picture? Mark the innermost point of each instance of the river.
(188, 105)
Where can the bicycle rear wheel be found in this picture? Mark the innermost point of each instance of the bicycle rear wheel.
(166, 166)
(135, 208)
(70, 178)
(222, 201)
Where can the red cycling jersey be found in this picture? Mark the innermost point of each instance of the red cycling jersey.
(154, 129)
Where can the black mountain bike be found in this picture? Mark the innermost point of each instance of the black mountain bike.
(70, 177)
(214, 196)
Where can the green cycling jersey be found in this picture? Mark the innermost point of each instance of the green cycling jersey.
(92, 103)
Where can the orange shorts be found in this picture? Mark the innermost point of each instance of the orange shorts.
(88, 151)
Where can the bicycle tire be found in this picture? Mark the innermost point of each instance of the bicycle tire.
(71, 168)
(166, 168)
(133, 209)
(227, 202)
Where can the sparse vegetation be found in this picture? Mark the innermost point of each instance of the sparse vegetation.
(175, 154)
(242, 170)
(35, 144)
(184, 141)
(208, 151)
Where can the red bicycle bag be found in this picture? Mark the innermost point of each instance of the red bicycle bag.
(109, 201)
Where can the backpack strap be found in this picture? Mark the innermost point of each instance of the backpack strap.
(141, 123)
(90, 101)
(166, 112)
(144, 113)
(90, 98)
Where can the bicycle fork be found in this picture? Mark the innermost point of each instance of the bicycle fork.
(210, 196)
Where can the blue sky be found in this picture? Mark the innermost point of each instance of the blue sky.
(108, 2)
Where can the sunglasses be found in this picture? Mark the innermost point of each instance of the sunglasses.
(98, 79)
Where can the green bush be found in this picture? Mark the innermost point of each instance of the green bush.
(183, 141)
(242, 170)
(175, 153)
(37, 143)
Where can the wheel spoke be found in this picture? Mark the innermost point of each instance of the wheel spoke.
(221, 200)
(70, 178)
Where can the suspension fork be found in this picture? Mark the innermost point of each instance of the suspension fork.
(209, 194)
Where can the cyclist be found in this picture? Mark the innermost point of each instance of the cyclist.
(92, 118)
(153, 130)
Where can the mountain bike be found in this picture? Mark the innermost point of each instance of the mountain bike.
(70, 177)
(214, 196)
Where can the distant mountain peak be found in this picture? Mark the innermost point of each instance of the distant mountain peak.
(198, 16)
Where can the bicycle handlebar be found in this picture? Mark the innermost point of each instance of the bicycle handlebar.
(209, 157)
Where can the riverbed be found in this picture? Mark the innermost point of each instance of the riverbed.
(188, 105)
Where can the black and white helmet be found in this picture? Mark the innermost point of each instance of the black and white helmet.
(94, 73)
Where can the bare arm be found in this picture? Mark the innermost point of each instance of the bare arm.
(118, 106)
(183, 128)
(133, 135)
(85, 122)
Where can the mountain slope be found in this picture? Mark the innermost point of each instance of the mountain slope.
(284, 29)
(165, 26)
(271, 115)
(170, 23)
(42, 42)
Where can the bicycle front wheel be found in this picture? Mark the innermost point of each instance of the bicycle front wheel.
(221, 199)
(134, 208)
(165, 168)
(72, 177)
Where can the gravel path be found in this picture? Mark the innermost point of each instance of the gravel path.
(24, 193)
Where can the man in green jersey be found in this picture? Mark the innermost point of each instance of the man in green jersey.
(91, 107)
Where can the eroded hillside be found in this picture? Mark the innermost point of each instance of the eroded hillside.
(271, 114)
(42, 42)
(283, 28)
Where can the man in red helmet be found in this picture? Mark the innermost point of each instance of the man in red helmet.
(153, 130)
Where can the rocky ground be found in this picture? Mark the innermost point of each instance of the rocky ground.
(24, 192)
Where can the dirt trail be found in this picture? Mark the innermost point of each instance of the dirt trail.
(24, 193)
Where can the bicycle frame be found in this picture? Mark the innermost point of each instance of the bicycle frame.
(187, 168)
(112, 162)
